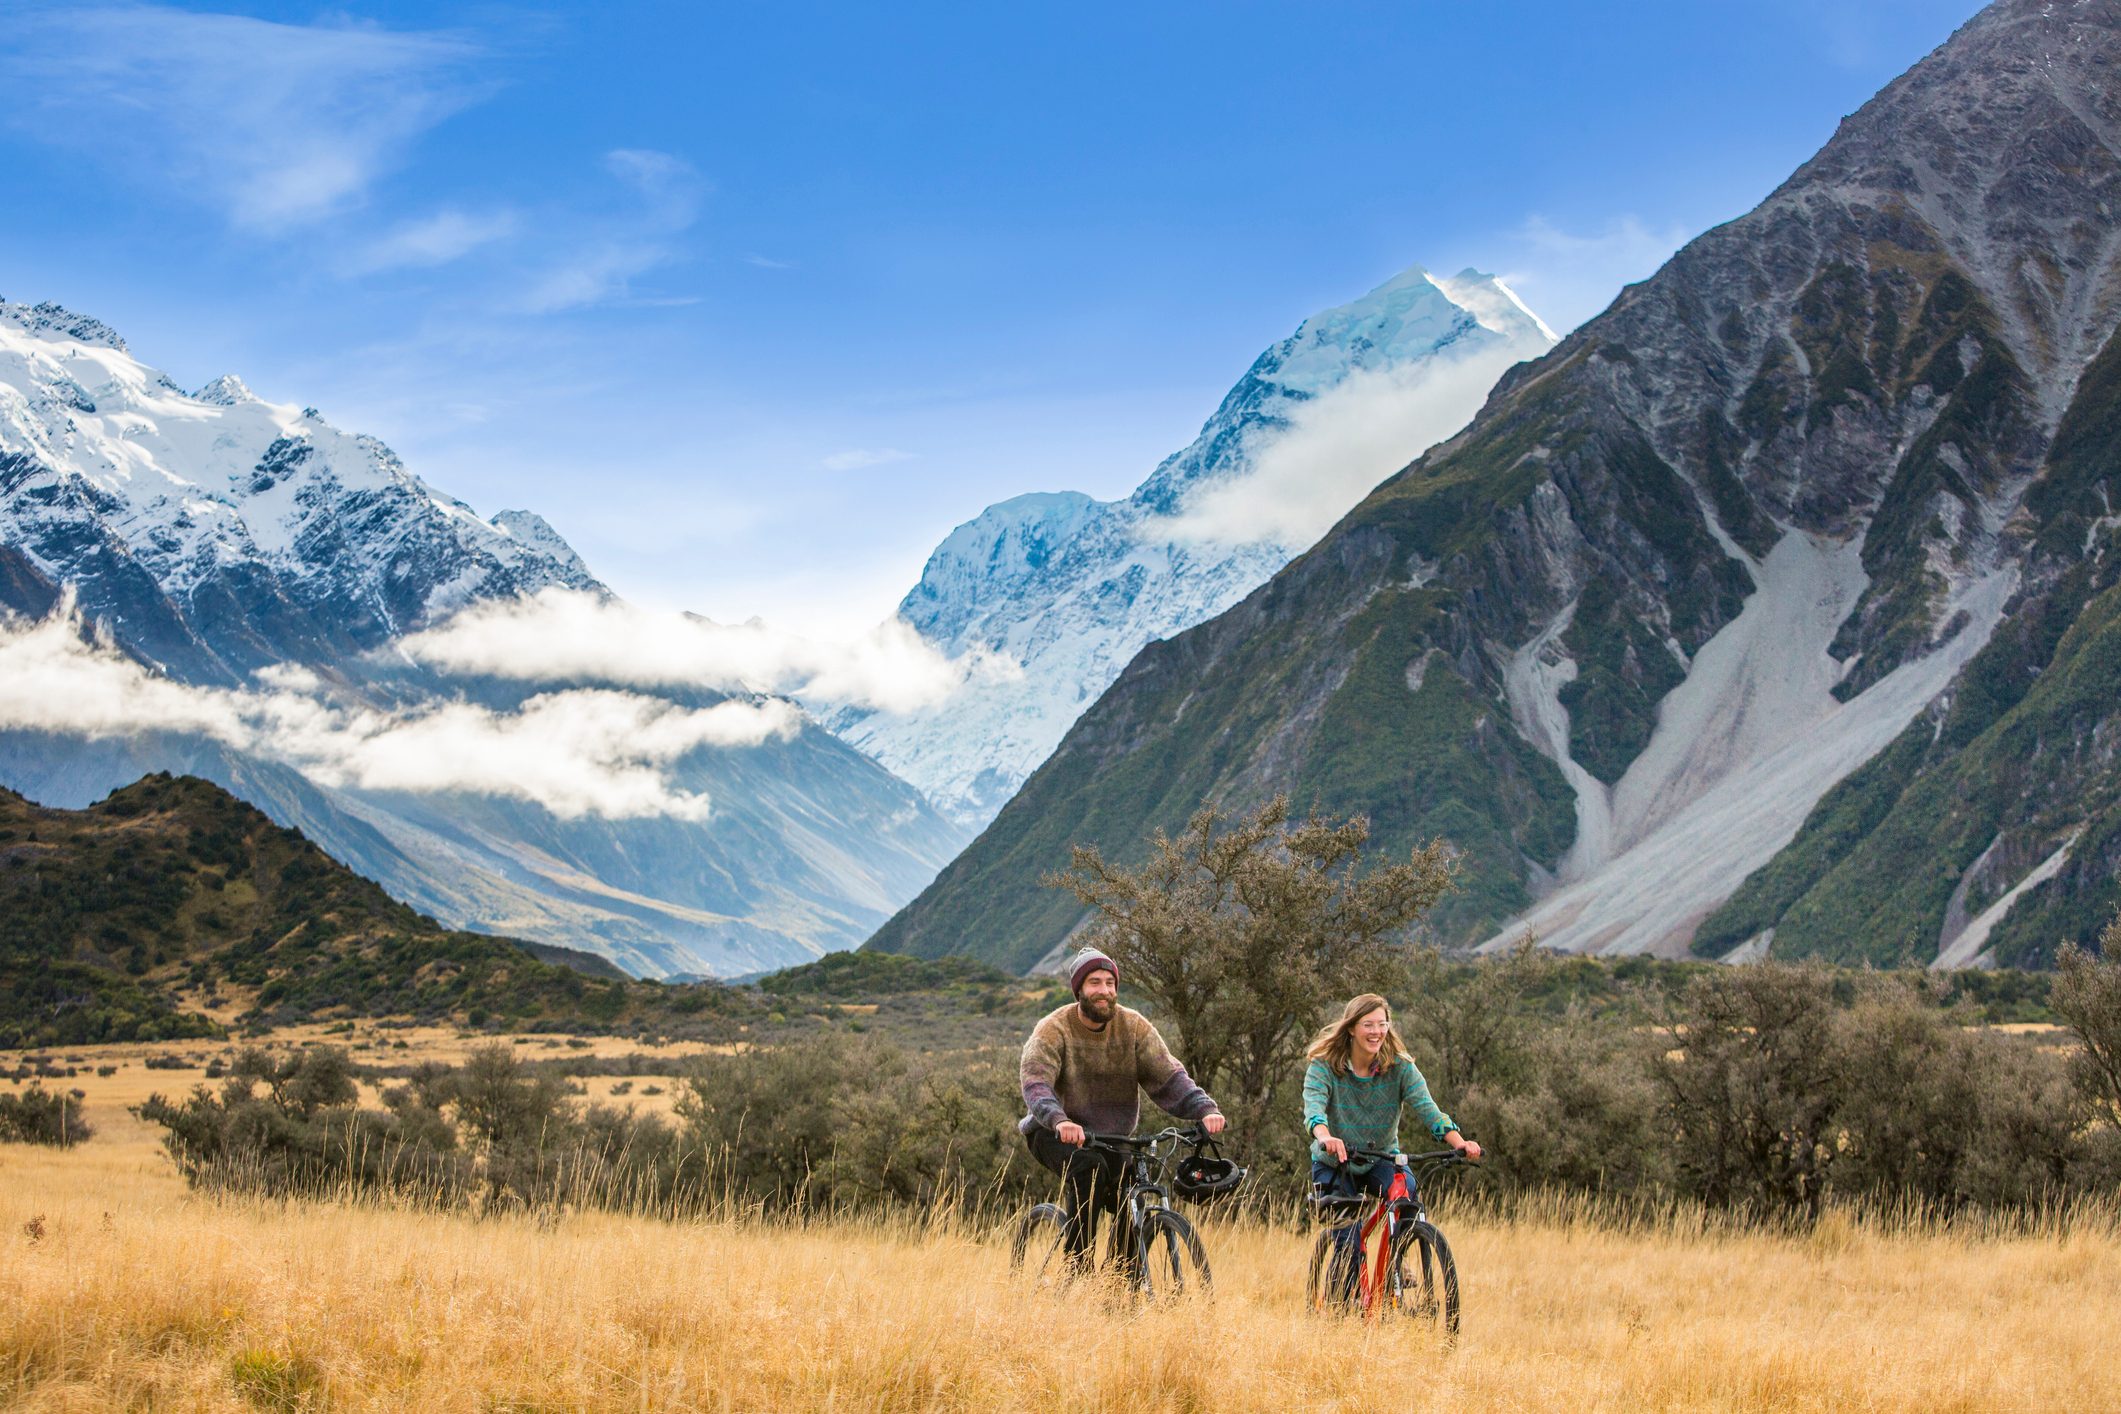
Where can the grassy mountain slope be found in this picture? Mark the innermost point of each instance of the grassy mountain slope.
(132, 919)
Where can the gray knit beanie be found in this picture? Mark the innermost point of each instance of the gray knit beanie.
(1086, 962)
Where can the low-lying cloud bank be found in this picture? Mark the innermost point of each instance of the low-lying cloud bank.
(591, 751)
(1337, 448)
(563, 635)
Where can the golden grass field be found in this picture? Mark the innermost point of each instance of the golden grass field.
(136, 1294)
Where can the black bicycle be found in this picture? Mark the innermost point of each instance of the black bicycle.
(1153, 1246)
(1413, 1274)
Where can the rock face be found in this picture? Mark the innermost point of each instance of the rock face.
(212, 536)
(1071, 588)
(1773, 611)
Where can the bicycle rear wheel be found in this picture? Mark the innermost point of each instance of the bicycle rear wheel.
(1171, 1259)
(1424, 1278)
(1039, 1245)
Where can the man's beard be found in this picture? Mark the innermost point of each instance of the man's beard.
(1098, 1008)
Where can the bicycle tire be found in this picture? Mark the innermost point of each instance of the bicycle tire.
(1169, 1257)
(1040, 1243)
(1425, 1288)
(1325, 1289)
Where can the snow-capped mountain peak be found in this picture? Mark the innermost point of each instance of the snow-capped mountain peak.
(202, 503)
(1072, 587)
(226, 391)
(1495, 305)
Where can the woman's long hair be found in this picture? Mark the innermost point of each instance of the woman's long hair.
(1335, 1045)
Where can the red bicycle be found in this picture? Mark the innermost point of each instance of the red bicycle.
(1412, 1274)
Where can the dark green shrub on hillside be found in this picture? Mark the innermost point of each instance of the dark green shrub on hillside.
(830, 1122)
(37, 1116)
(846, 976)
(1762, 1091)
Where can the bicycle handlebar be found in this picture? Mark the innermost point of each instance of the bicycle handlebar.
(1137, 1142)
(1439, 1156)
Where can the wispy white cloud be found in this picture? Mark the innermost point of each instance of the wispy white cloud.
(1569, 276)
(768, 263)
(1335, 450)
(665, 194)
(856, 458)
(582, 752)
(439, 239)
(564, 636)
(279, 125)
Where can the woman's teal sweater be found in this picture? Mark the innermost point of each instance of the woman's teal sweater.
(1364, 1111)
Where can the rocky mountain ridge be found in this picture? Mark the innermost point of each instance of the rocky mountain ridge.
(1070, 588)
(1769, 612)
(228, 533)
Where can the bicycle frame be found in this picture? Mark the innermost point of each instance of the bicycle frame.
(1401, 1204)
(1142, 1190)
(1399, 1199)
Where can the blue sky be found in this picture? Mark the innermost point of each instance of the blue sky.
(755, 302)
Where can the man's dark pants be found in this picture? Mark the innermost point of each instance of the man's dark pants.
(1091, 1180)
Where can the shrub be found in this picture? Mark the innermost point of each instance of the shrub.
(2087, 996)
(859, 1122)
(288, 1126)
(36, 1116)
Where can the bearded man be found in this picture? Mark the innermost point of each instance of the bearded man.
(1083, 1072)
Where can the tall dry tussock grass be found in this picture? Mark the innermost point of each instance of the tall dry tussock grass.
(138, 1293)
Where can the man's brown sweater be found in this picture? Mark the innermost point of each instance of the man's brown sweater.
(1094, 1075)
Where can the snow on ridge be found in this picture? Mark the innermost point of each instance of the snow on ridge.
(226, 391)
(1072, 588)
(194, 485)
(48, 318)
(1498, 307)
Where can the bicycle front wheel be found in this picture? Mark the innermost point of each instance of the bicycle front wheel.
(1039, 1245)
(1170, 1258)
(1424, 1278)
(1330, 1285)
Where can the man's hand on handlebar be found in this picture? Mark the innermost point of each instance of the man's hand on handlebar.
(1213, 1123)
(1068, 1132)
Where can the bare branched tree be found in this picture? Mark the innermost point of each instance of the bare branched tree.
(1244, 931)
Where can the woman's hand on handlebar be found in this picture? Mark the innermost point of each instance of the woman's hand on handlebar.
(1466, 1147)
(1338, 1148)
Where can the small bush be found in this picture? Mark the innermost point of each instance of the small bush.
(860, 1123)
(36, 1116)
